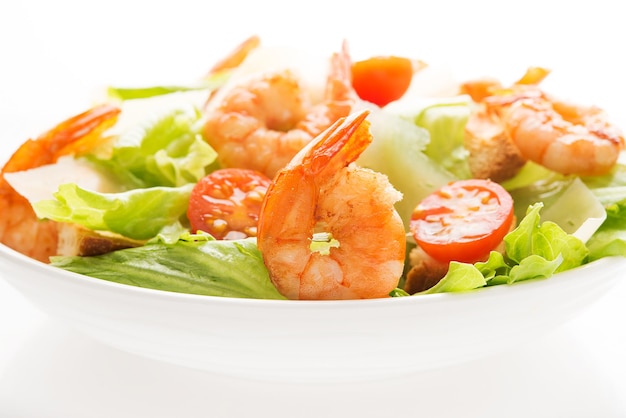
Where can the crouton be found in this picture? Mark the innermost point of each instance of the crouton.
(492, 153)
(425, 271)
(78, 240)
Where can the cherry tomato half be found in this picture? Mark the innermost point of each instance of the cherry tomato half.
(463, 221)
(381, 80)
(226, 203)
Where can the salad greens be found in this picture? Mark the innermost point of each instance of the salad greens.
(211, 82)
(445, 120)
(158, 162)
(138, 214)
(610, 239)
(168, 150)
(160, 154)
(196, 264)
(397, 150)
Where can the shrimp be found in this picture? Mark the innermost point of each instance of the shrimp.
(19, 227)
(563, 137)
(236, 56)
(321, 198)
(262, 123)
(481, 88)
(531, 125)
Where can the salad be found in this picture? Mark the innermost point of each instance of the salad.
(195, 188)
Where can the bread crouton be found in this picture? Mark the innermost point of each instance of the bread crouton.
(492, 153)
(77, 240)
(425, 271)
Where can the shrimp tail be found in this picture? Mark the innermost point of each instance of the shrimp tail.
(342, 143)
(339, 84)
(75, 134)
(236, 56)
(346, 139)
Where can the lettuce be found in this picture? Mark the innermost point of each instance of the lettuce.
(167, 151)
(460, 277)
(398, 152)
(200, 265)
(610, 239)
(530, 175)
(213, 82)
(132, 93)
(610, 190)
(546, 240)
(138, 214)
(445, 121)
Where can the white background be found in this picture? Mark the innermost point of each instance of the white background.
(55, 55)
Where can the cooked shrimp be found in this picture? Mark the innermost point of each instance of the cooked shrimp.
(262, 123)
(236, 56)
(19, 227)
(566, 138)
(322, 198)
(480, 88)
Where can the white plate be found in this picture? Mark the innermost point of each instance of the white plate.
(310, 340)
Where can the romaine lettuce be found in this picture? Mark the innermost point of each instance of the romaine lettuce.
(167, 150)
(610, 239)
(138, 214)
(444, 118)
(398, 152)
(211, 83)
(445, 121)
(200, 265)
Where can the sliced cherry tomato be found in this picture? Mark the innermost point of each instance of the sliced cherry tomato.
(463, 221)
(381, 80)
(226, 203)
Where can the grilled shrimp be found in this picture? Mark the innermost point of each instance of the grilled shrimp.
(532, 125)
(564, 137)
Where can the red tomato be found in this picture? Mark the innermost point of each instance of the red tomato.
(227, 202)
(463, 221)
(381, 80)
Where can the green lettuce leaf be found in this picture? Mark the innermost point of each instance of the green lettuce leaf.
(496, 269)
(200, 266)
(610, 239)
(535, 267)
(529, 175)
(610, 184)
(398, 152)
(544, 239)
(130, 93)
(445, 121)
(558, 198)
(610, 190)
(398, 293)
(444, 118)
(499, 269)
(461, 277)
(166, 150)
(138, 214)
